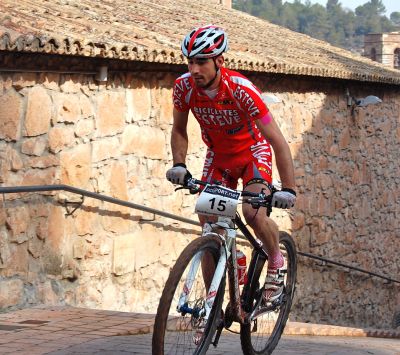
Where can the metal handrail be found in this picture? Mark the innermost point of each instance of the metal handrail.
(41, 188)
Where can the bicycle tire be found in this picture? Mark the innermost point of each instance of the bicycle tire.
(262, 335)
(166, 338)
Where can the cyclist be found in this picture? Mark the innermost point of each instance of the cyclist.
(238, 130)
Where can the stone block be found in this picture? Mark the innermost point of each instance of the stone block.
(39, 177)
(11, 110)
(38, 112)
(43, 162)
(166, 107)
(334, 150)
(117, 219)
(15, 160)
(17, 220)
(194, 134)
(34, 146)
(325, 181)
(84, 127)
(117, 183)
(4, 169)
(11, 293)
(87, 296)
(5, 254)
(105, 148)
(86, 107)
(124, 251)
(47, 293)
(144, 141)
(295, 148)
(42, 228)
(60, 136)
(111, 113)
(35, 246)
(135, 251)
(67, 108)
(75, 166)
(344, 139)
(87, 218)
(298, 221)
(54, 248)
(139, 101)
(19, 263)
(79, 249)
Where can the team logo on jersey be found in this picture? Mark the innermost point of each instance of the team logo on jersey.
(234, 130)
(225, 102)
(246, 101)
(207, 172)
(262, 152)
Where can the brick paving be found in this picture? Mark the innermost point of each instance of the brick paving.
(230, 344)
(71, 330)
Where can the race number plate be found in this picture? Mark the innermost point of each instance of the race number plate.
(218, 201)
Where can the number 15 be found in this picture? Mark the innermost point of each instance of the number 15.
(221, 204)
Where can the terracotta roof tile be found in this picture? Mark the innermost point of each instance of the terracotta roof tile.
(152, 31)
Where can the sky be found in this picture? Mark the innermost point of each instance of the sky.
(390, 5)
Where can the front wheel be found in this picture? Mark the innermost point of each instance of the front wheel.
(261, 334)
(177, 331)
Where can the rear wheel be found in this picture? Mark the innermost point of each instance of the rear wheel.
(262, 332)
(175, 331)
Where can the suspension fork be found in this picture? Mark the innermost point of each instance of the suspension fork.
(214, 286)
(216, 281)
(187, 287)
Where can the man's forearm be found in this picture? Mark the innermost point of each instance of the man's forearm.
(179, 146)
(285, 167)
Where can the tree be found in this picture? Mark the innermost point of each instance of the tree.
(332, 23)
(395, 18)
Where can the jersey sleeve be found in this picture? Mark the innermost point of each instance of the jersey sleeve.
(248, 98)
(180, 94)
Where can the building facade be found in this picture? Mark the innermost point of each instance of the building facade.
(383, 48)
(63, 123)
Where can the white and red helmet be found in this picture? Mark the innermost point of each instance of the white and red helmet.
(205, 42)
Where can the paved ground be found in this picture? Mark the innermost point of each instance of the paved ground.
(70, 330)
(230, 344)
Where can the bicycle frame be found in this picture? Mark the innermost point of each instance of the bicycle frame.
(228, 249)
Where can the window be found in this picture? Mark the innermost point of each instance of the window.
(396, 58)
(373, 54)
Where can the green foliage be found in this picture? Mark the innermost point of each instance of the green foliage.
(395, 18)
(332, 23)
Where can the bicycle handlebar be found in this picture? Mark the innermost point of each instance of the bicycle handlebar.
(256, 200)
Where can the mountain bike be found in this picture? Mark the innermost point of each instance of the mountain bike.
(187, 305)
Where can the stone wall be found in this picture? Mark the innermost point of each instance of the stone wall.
(113, 139)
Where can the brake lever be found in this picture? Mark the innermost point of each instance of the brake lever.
(192, 190)
(181, 188)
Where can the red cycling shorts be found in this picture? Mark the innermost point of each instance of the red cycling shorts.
(253, 163)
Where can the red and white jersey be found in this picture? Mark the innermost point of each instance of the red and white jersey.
(228, 120)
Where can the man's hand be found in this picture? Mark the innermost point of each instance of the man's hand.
(284, 198)
(178, 174)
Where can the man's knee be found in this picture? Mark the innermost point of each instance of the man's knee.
(253, 217)
(258, 219)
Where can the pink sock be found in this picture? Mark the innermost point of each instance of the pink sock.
(276, 261)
